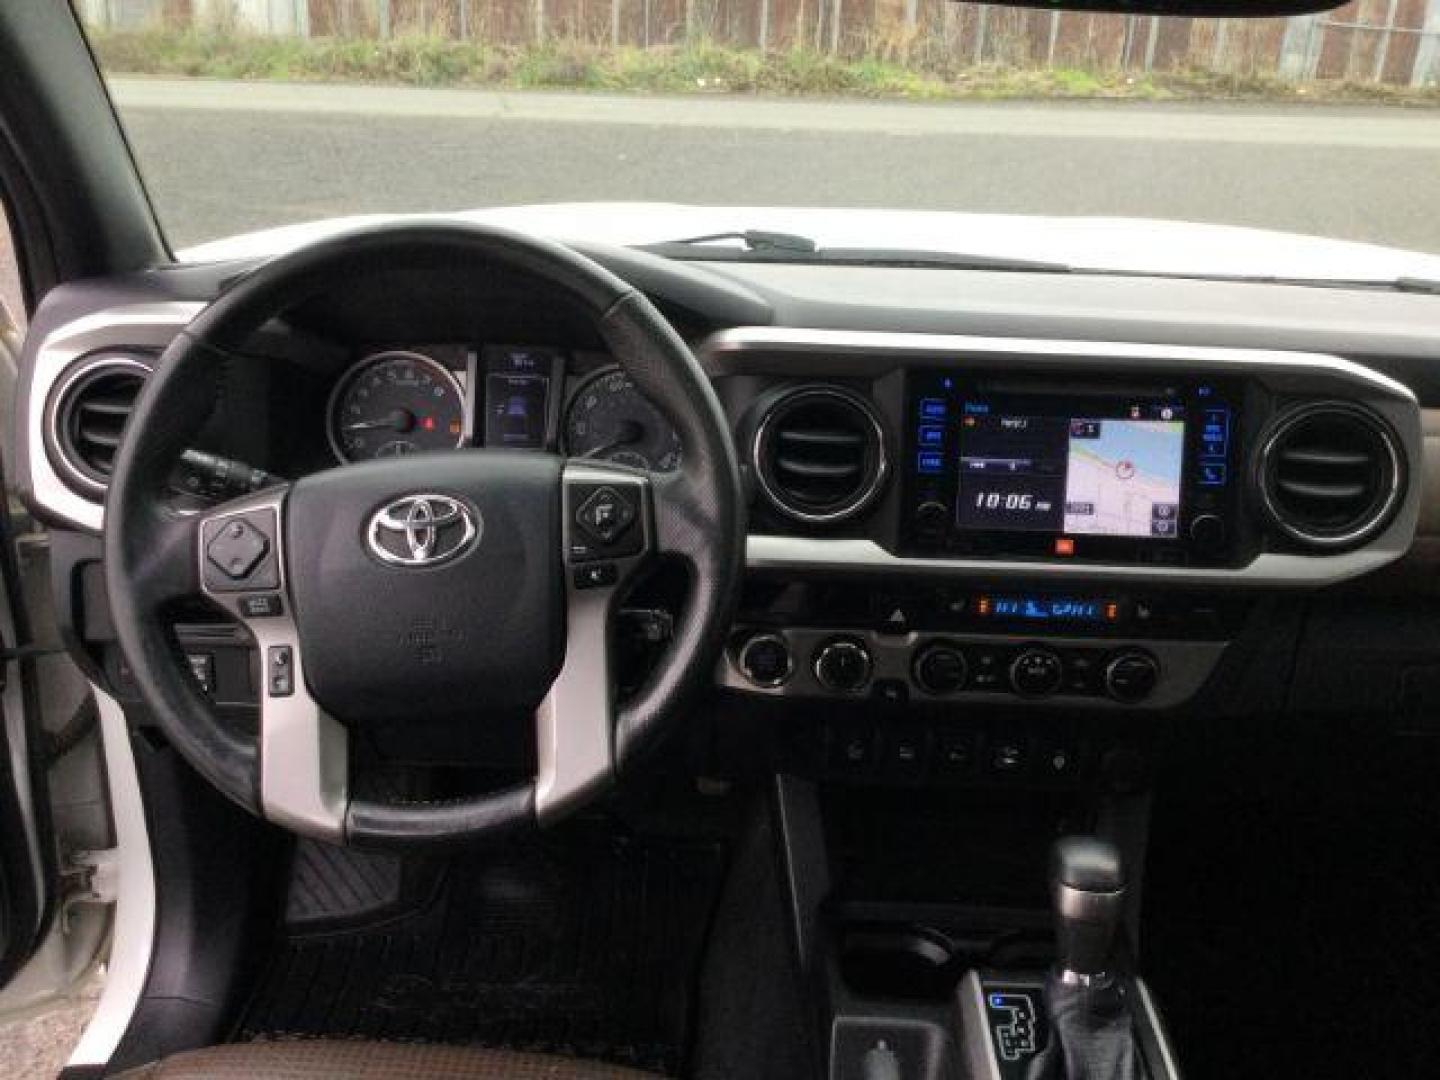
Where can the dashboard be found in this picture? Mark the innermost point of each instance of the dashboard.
(1107, 499)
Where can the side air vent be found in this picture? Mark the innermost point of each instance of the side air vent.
(819, 454)
(87, 412)
(1331, 475)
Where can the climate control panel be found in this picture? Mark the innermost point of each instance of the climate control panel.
(840, 663)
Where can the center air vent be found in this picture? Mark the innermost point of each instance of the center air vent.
(1331, 475)
(87, 412)
(819, 454)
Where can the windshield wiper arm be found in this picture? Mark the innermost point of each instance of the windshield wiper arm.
(753, 239)
(760, 245)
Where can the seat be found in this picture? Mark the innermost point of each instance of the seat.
(320, 1059)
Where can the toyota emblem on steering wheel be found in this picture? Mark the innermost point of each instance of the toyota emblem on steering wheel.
(423, 530)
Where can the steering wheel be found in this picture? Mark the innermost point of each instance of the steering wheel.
(476, 586)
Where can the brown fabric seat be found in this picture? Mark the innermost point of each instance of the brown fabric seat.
(319, 1059)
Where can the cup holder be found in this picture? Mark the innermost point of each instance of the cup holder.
(909, 963)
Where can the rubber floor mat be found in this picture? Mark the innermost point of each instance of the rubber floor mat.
(585, 944)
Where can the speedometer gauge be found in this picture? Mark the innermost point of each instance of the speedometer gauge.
(610, 420)
(395, 403)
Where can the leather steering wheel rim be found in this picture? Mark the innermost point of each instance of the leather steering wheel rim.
(153, 555)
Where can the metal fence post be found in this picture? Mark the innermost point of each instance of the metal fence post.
(1054, 37)
(980, 30)
(382, 14)
(1427, 56)
(1298, 52)
(1382, 51)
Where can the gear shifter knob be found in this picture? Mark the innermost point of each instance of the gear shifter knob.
(1087, 888)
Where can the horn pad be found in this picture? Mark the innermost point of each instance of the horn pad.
(430, 584)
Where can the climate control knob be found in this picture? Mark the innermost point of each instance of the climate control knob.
(765, 660)
(1036, 672)
(843, 666)
(940, 669)
(1130, 677)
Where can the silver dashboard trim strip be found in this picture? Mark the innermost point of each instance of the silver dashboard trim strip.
(736, 351)
(792, 554)
(133, 938)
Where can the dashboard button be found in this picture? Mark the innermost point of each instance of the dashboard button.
(940, 669)
(1036, 673)
(1131, 677)
(843, 666)
(765, 660)
(1007, 755)
(986, 670)
(1208, 531)
(956, 752)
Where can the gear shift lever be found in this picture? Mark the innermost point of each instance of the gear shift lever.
(1087, 889)
(1092, 1032)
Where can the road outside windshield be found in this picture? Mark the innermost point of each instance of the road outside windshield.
(250, 114)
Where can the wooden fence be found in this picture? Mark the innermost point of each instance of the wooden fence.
(1394, 41)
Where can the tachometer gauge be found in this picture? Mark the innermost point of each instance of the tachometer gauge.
(395, 403)
(610, 420)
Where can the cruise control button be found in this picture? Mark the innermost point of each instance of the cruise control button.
(237, 549)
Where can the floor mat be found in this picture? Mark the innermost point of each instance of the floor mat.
(584, 943)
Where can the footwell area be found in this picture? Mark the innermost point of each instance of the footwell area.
(584, 943)
(1293, 904)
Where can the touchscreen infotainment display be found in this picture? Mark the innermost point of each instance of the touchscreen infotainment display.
(1110, 467)
(1106, 472)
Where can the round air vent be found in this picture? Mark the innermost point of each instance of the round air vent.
(86, 414)
(1331, 475)
(819, 454)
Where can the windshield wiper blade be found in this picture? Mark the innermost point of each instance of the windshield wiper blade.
(753, 239)
(759, 245)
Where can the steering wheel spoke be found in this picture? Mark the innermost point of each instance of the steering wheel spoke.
(609, 531)
(303, 752)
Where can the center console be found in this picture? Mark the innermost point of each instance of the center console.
(987, 578)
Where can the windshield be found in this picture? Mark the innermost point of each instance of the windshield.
(955, 127)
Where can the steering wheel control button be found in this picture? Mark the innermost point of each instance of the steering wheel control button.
(239, 554)
(843, 666)
(237, 549)
(1036, 673)
(596, 576)
(202, 666)
(766, 661)
(941, 669)
(604, 520)
(605, 515)
(263, 606)
(1131, 677)
(280, 671)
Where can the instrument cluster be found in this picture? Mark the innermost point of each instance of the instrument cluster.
(518, 397)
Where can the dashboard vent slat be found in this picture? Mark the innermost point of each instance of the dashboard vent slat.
(87, 414)
(1331, 475)
(819, 454)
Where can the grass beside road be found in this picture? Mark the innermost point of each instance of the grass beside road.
(698, 67)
